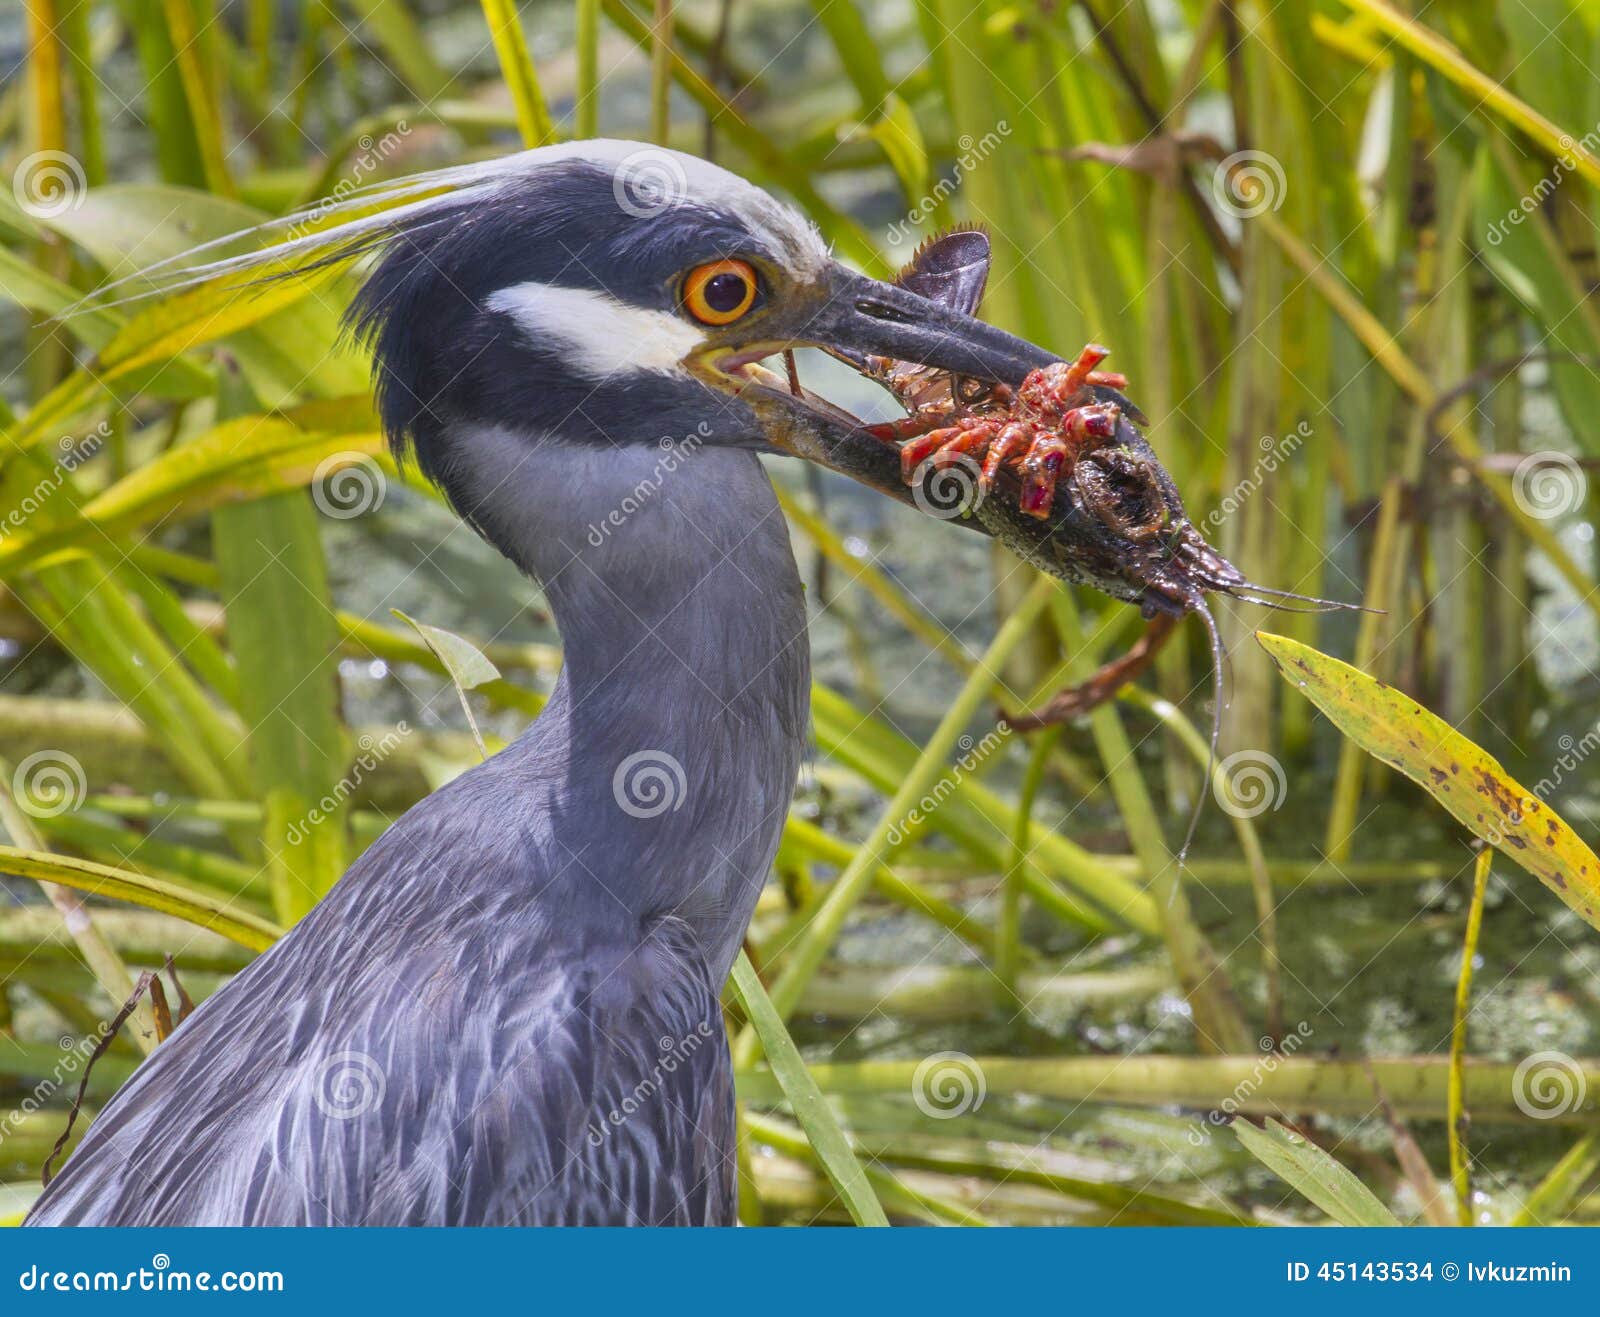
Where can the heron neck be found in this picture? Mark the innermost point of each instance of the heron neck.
(662, 769)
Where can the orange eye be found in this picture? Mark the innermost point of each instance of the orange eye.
(720, 292)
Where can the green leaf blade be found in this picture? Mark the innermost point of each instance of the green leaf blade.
(1460, 775)
(1314, 1173)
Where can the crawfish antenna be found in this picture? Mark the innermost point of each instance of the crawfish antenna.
(1219, 662)
(1321, 605)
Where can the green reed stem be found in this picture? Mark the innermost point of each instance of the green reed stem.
(842, 897)
(1456, 1115)
(1008, 927)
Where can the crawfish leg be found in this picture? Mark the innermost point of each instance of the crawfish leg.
(1041, 467)
(1013, 439)
(1079, 372)
(1056, 389)
(918, 423)
(915, 451)
(971, 443)
(1069, 383)
(1104, 684)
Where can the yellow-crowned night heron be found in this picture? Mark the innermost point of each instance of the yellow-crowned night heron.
(506, 1012)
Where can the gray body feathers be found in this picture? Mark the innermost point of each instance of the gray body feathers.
(507, 1011)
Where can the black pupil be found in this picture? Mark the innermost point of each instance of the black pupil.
(724, 292)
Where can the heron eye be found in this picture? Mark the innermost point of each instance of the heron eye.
(720, 292)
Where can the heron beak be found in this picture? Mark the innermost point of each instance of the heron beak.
(860, 318)
(856, 319)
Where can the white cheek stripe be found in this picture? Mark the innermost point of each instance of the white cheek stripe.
(598, 335)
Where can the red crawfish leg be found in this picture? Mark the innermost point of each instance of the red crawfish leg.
(972, 443)
(909, 427)
(1012, 439)
(1077, 374)
(1107, 379)
(1040, 468)
(915, 451)
(1104, 684)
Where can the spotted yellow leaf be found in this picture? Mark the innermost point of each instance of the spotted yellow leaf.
(1461, 776)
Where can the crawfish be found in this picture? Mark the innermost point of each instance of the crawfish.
(1056, 468)
(1042, 427)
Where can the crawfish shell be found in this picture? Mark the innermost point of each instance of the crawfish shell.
(1137, 545)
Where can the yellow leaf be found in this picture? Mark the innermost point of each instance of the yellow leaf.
(205, 313)
(188, 319)
(1461, 776)
(238, 460)
(205, 909)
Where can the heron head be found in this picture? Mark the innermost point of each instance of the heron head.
(608, 294)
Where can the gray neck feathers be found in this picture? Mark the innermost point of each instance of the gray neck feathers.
(660, 774)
